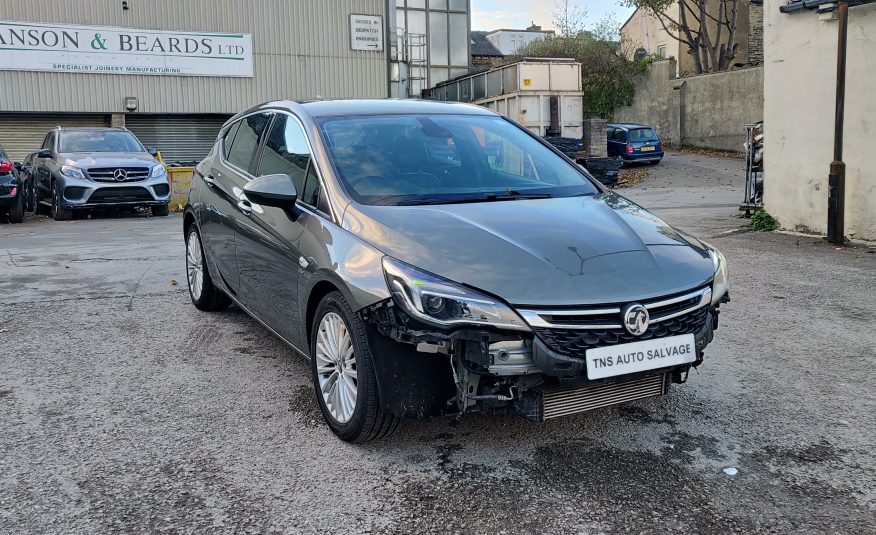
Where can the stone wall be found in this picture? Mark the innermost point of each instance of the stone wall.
(708, 111)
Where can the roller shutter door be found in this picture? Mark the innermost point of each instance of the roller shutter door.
(21, 134)
(180, 138)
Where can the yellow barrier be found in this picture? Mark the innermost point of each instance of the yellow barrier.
(180, 181)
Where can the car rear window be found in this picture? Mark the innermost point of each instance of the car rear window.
(409, 159)
(642, 134)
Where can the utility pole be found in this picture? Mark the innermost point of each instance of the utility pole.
(836, 184)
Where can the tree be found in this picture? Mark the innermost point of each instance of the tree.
(706, 27)
(569, 17)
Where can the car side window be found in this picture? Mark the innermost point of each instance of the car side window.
(228, 139)
(247, 140)
(286, 152)
(311, 187)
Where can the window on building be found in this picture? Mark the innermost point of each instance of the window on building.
(661, 51)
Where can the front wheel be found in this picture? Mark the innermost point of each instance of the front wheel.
(205, 295)
(342, 370)
(162, 210)
(58, 211)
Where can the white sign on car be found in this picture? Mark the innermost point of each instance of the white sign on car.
(641, 356)
(27, 46)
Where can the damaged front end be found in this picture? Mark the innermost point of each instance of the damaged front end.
(442, 348)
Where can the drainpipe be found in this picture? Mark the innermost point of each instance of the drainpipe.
(836, 182)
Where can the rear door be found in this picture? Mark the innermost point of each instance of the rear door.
(42, 168)
(225, 177)
(269, 239)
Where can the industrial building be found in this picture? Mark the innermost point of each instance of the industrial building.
(173, 71)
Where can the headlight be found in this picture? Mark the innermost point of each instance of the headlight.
(158, 171)
(72, 172)
(721, 286)
(439, 301)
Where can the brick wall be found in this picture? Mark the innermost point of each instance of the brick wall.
(755, 34)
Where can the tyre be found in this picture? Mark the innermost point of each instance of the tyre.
(161, 210)
(58, 211)
(38, 207)
(26, 197)
(16, 212)
(343, 374)
(205, 295)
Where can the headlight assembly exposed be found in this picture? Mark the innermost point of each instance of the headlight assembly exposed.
(442, 302)
(72, 172)
(721, 286)
(158, 171)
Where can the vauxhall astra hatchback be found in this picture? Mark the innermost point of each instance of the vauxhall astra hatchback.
(434, 258)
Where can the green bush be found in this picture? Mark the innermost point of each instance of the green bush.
(762, 221)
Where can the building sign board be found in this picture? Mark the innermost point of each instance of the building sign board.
(26, 46)
(366, 33)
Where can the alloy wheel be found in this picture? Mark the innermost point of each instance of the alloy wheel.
(336, 367)
(195, 264)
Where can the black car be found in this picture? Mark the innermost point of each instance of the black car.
(632, 142)
(25, 177)
(93, 168)
(11, 195)
(434, 258)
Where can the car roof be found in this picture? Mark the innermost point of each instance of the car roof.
(629, 126)
(334, 108)
(91, 129)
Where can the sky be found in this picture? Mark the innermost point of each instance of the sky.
(514, 14)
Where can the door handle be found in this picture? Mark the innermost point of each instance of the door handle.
(245, 206)
(209, 179)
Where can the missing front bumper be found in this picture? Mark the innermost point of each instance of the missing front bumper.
(545, 402)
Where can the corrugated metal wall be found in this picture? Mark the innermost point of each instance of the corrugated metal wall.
(180, 138)
(301, 50)
(21, 134)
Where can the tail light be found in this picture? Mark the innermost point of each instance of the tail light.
(660, 146)
(5, 166)
(629, 149)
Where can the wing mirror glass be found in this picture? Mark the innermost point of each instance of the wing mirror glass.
(153, 151)
(272, 190)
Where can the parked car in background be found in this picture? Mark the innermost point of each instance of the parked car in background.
(11, 201)
(25, 178)
(434, 258)
(634, 143)
(96, 168)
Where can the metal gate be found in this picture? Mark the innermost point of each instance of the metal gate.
(180, 138)
(21, 134)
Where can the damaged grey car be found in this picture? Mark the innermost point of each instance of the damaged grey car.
(435, 259)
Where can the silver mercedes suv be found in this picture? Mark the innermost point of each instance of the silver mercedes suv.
(92, 168)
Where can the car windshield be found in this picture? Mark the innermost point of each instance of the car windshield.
(430, 159)
(643, 134)
(99, 141)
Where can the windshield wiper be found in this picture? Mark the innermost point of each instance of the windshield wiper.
(509, 195)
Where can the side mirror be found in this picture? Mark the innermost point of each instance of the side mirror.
(17, 166)
(44, 153)
(272, 190)
(153, 151)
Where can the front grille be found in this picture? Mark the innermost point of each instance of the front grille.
(108, 174)
(576, 342)
(113, 195)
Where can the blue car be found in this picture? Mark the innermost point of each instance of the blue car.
(634, 143)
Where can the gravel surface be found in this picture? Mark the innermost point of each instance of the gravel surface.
(123, 409)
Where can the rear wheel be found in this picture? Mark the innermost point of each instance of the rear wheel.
(58, 211)
(16, 212)
(205, 295)
(161, 210)
(343, 374)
